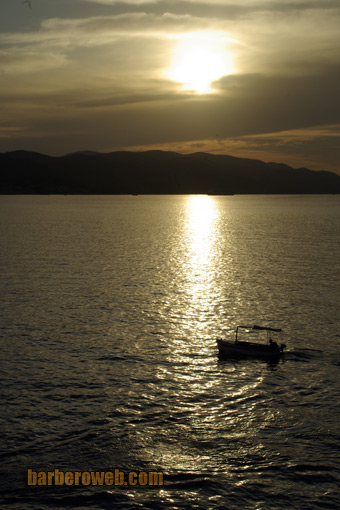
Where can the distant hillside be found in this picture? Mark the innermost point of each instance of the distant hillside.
(154, 172)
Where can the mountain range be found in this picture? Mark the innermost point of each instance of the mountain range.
(154, 172)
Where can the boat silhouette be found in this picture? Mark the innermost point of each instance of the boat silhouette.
(238, 348)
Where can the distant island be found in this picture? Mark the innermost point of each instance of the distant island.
(155, 172)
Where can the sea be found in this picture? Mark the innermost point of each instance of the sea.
(110, 310)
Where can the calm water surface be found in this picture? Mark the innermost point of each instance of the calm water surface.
(110, 310)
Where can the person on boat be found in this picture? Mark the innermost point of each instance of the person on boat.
(273, 344)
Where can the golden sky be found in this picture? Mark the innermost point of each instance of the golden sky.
(253, 78)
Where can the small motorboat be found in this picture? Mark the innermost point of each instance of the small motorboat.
(238, 348)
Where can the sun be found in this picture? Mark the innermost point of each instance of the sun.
(199, 60)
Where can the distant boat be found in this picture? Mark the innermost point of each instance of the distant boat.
(269, 350)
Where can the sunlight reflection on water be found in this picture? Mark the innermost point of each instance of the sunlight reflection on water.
(202, 215)
(199, 264)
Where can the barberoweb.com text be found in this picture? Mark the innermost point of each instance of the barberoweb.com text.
(116, 477)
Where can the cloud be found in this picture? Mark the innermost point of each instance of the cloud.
(29, 60)
(267, 34)
(99, 30)
(117, 49)
(115, 2)
(317, 148)
(268, 42)
(128, 2)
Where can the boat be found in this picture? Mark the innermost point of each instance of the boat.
(238, 348)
